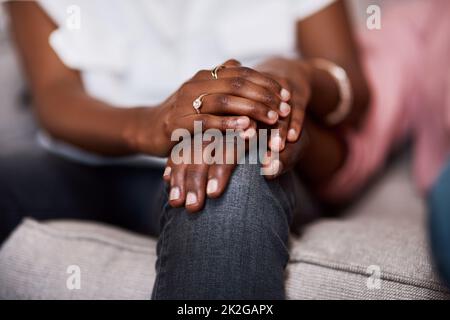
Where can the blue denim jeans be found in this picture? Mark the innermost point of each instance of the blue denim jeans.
(439, 222)
(235, 248)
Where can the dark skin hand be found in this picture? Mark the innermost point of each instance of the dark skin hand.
(306, 144)
(239, 94)
(192, 183)
(254, 97)
(309, 155)
(239, 97)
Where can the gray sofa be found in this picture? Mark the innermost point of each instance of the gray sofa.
(377, 250)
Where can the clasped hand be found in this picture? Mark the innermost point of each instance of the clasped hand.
(274, 95)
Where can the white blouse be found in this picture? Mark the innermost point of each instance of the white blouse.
(138, 52)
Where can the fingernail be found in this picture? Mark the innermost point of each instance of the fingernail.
(243, 122)
(249, 133)
(276, 166)
(191, 198)
(167, 171)
(285, 95)
(174, 193)
(272, 169)
(285, 108)
(292, 134)
(212, 186)
(272, 115)
(276, 143)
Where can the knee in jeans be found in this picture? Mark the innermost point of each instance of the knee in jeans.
(246, 185)
(248, 209)
(246, 221)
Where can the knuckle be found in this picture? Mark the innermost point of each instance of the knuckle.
(167, 125)
(285, 81)
(194, 173)
(225, 123)
(222, 100)
(282, 123)
(221, 171)
(245, 72)
(283, 128)
(269, 98)
(255, 108)
(233, 62)
(199, 74)
(178, 172)
(185, 89)
(274, 84)
(237, 83)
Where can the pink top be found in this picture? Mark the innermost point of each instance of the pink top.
(407, 63)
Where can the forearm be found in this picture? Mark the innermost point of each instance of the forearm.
(322, 93)
(63, 107)
(69, 114)
(326, 151)
(329, 35)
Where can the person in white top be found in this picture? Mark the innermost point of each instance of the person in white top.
(112, 80)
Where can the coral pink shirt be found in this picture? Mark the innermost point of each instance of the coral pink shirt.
(407, 63)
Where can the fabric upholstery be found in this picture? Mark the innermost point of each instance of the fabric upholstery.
(329, 260)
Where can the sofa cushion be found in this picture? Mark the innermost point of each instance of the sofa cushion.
(383, 236)
(36, 262)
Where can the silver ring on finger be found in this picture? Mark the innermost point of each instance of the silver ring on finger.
(197, 103)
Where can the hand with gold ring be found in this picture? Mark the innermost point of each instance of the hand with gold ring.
(214, 72)
(197, 104)
(238, 99)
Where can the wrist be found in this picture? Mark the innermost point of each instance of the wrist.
(324, 93)
(332, 92)
(143, 132)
